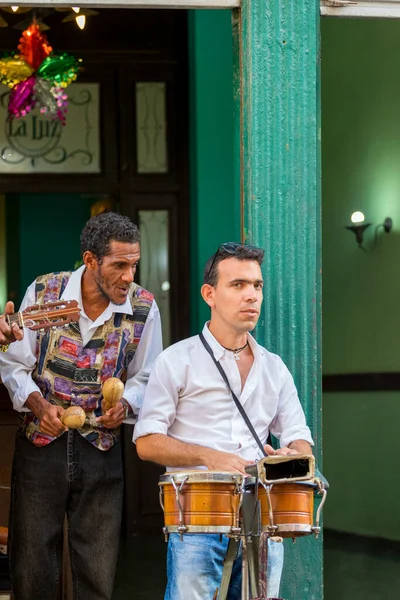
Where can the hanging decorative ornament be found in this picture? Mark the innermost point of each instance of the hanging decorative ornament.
(44, 97)
(52, 101)
(13, 70)
(22, 99)
(37, 77)
(62, 69)
(33, 46)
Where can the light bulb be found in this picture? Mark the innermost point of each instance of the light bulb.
(14, 8)
(357, 217)
(81, 21)
(75, 9)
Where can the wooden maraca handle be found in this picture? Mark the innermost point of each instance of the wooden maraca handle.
(113, 390)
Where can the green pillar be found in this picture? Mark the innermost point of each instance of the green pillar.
(277, 45)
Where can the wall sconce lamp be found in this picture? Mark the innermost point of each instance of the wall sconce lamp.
(359, 226)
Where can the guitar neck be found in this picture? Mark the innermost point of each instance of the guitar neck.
(46, 316)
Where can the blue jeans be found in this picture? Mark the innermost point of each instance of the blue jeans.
(194, 567)
(69, 476)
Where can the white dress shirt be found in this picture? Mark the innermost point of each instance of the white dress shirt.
(18, 363)
(187, 399)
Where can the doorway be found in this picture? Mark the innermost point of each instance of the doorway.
(360, 157)
(137, 61)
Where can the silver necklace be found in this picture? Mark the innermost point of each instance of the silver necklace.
(236, 351)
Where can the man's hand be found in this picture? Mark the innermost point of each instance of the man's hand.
(113, 417)
(9, 334)
(48, 414)
(215, 460)
(285, 451)
(50, 420)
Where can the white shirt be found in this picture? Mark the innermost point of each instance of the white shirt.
(18, 363)
(187, 399)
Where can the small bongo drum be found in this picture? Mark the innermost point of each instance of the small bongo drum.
(285, 490)
(287, 509)
(201, 501)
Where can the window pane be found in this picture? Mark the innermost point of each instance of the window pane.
(154, 263)
(151, 128)
(37, 144)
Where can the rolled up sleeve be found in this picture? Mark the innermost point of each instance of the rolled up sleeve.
(18, 363)
(289, 424)
(159, 406)
(138, 371)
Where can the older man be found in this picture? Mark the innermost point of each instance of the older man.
(78, 472)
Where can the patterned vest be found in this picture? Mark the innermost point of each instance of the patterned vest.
(70, 374)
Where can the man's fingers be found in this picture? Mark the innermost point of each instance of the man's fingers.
(52, 428)
(17, 331)
(286, 451)
(269, 449)
(9, 334)
(6, 334)
(51, 422)
(9, 308)
(113, 417)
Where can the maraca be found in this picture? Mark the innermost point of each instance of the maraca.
(74, 417)
(113, 390)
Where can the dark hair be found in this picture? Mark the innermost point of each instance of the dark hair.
(229, 250)
(102, 229)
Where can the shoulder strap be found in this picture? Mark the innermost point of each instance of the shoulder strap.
(235, 398)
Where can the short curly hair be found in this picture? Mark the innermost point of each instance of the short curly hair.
(102, 229)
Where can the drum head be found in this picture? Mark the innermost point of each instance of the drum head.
(200, 477)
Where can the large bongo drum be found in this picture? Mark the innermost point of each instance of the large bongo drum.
(201, 501)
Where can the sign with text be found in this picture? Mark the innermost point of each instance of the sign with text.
(36, 144)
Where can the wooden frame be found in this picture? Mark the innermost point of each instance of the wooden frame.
(374, 9)
(135, 3)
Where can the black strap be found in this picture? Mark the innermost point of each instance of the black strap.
(236, 399)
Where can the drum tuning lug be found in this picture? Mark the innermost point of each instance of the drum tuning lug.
(165, 532)
(316, 531)
(181, 530)
(272, 529)
(294, 540)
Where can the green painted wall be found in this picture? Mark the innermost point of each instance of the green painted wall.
(361, 291)
(48, 232)
(215, 217)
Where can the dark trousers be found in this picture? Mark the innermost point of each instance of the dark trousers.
(69, 476)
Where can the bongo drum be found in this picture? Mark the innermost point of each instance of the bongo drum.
(201, 501)
(285, 490)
